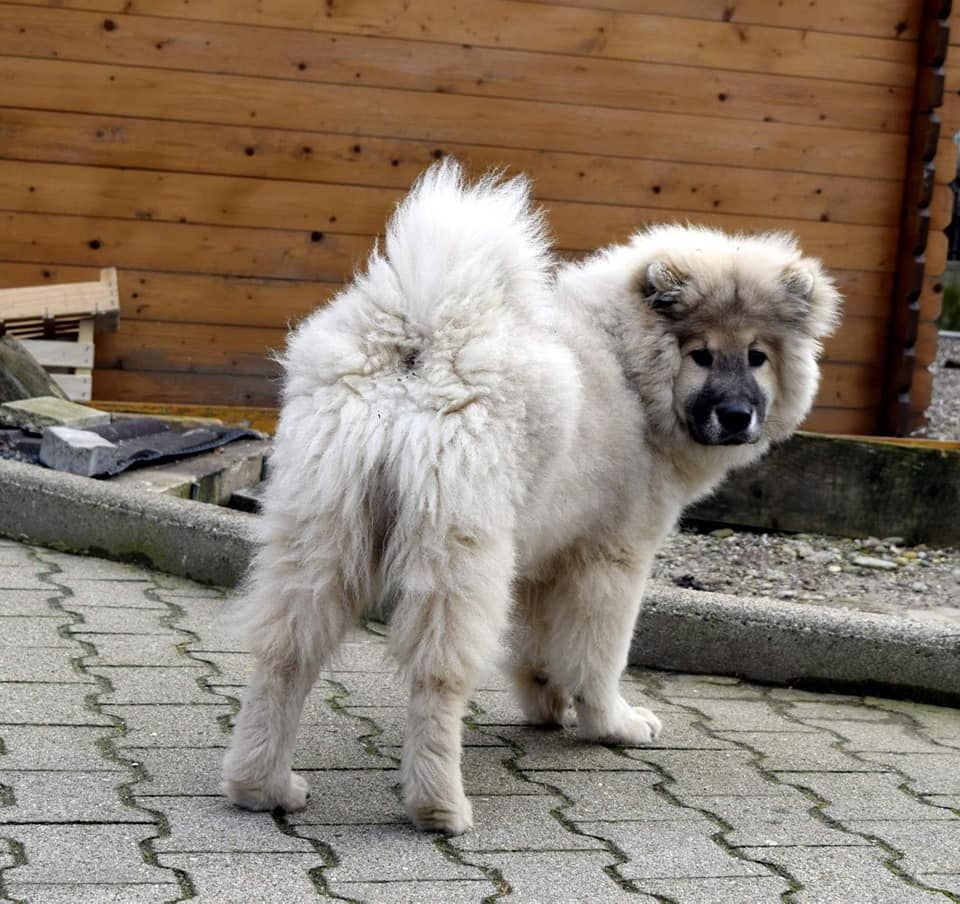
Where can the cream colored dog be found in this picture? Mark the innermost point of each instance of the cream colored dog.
(484, 438)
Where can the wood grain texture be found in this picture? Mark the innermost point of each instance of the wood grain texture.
(311, 56)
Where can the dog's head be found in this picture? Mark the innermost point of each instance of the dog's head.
(738, 320)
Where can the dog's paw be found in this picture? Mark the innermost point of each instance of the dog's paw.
(627, 725)
(291, 795)
(544, 703)
(451, 818)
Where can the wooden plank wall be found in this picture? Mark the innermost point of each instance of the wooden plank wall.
(234, 158)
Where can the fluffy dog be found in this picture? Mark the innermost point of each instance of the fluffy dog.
(482, 437)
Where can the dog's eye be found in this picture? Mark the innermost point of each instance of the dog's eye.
(755, 357)
(702, 356)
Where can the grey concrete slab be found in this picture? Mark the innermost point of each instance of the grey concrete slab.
(795, 752)
(98, 854)
(520, 823)
(41, 664)
(29, 603)
(175, 771)
(22, 632)
(843, 874)
(570, 877)
(940, 723)
(752, 890)
(350, 797)
(230, 669)
(79, 568)
(728, 715)
(69, 747)
(68, 797)
(459, 891)
(125, 594)
(171, 725)
(613, 795)
(927, 846)
(98, 893)
(808, 709)
(214, 825)
(142, 684)
(560, 749)
(926, 773)
(865, 796)
(730, 772)
(670, 850)
(121, 620)
(240, 878)
(137, 650)
(401, 853)
(863, 736)
(48, 704)
(23, 576)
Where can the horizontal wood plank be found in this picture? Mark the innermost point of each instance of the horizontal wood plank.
(310, 56)
(51, 353)
(554, 28)
(844, 386)
(190, 148)
(238, 301)
(241, 100)
(881, 18)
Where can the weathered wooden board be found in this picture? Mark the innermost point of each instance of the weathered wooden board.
(673, 187)
(556, 28)
(311, 56)
(236, 100)
(848, 488)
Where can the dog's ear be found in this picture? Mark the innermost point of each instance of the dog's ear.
(661, 285)
(813, 296)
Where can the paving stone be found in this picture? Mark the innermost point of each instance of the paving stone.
(44, 665)
(147, 684)
(613, 795)
(48, 704)
(350, 797)
(55, 747)
(232, 669)
(752, 890)
(496, 708)
(77, 451)
(333, 741)
(927, 773)
(73, 892)
(744, 715)
(707, 687)
(402, 852)
(47, 411)
(175, 771)
(85, 853)
(22, 632)
(772, 821)
(670, 850)
(711, 772)
(928, 846)
(368, 689)
(126, 594)
(23, 577)
(391, 721)
(214, 825)
(829, 711)
(682, 731)
(82, 568)
(947, 882)
(848, 874)
(462, 891)
(59, 796)
(15, 555)
(864, 796)
(550, 748)
(571, 877)
(171, 725)
(949, 802)
(520, 823)
(208, 618)
(29, 603)
(869, 736)
(123, 620)
(791, 752)
(940, 723)
(240, 878)
(136, 650)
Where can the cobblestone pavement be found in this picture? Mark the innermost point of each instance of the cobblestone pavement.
(118, 686)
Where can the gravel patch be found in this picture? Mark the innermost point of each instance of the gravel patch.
(943, 415)
(871, 575)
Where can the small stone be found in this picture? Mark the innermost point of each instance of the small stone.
(871, 562)
(787, 594)
(893, 541)
(80, 452)
(870, 543)
(804, 550)
(722, 533)
(834, 569)
(910, 554)
(956, 575)
(918, 587)
(900, 560)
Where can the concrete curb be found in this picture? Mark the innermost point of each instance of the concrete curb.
(203, 542)
(680, 630)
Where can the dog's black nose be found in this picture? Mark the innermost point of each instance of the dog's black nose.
(734, 417)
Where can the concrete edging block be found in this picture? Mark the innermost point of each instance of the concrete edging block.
(680, 630)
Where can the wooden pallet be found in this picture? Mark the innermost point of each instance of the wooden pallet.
(57, 324)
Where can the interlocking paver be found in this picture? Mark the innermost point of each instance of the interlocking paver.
(67, 797)
(401, 853)
(751, 793)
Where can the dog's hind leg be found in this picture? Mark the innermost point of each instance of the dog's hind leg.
(592, 609)
(445, 632)
(299, 621)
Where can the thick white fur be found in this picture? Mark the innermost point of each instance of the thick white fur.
(471, 434)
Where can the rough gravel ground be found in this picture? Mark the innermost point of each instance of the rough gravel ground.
(920, 582)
